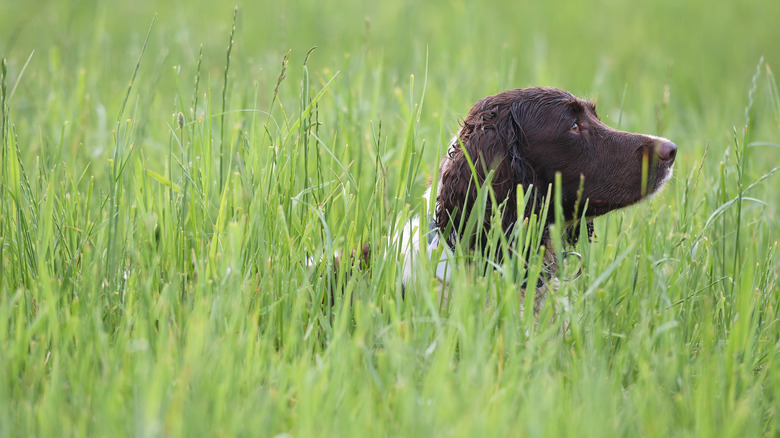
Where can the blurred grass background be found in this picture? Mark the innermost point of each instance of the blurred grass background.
(153, 263)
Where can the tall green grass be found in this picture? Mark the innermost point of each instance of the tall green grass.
(162, 196)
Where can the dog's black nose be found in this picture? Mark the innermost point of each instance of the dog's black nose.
(665, 150)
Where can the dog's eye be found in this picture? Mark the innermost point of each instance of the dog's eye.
(575, 128)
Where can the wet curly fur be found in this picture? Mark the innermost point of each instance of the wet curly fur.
(526, 136)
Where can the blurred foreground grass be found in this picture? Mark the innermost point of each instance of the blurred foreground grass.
(154, 236)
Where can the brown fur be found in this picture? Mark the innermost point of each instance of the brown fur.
(525, 136)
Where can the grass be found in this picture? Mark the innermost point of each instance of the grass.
(161, 195)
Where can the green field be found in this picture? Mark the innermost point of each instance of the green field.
(168, 169)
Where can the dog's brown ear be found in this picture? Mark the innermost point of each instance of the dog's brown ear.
(494, 141)
(522, 170)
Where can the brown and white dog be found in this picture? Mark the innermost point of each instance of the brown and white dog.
(526, 136)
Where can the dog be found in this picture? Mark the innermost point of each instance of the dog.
(523, 138)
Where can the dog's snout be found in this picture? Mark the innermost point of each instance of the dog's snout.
(665, 150)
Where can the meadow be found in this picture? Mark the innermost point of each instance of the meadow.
(168, 170)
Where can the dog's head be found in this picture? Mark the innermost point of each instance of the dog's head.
(526, 136)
